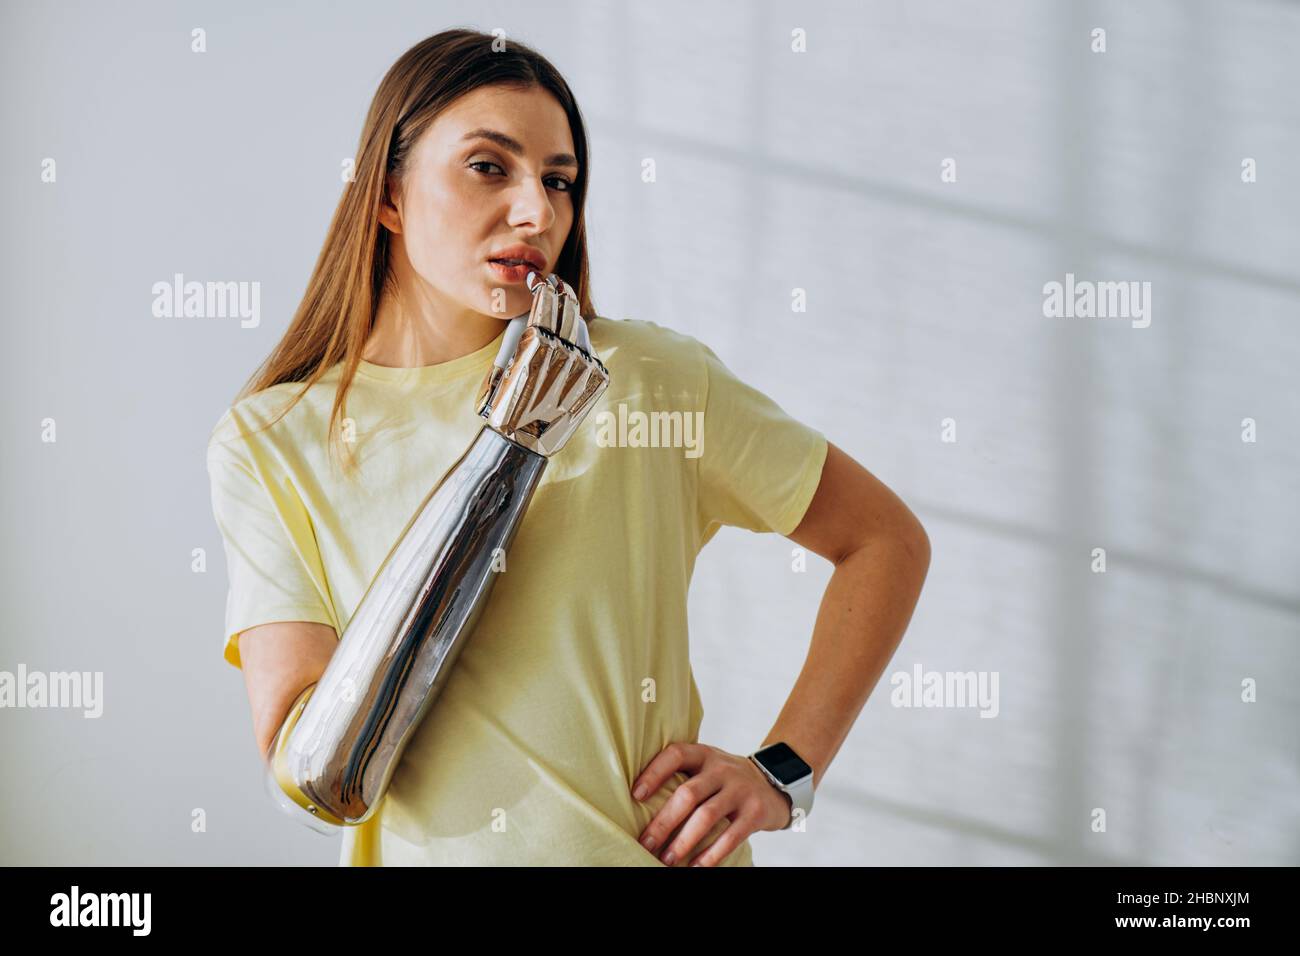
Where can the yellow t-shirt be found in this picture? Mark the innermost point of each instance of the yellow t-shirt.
(577, 673)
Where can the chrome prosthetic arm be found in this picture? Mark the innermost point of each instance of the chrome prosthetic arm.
(333, 757)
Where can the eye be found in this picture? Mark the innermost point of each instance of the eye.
(567, 187)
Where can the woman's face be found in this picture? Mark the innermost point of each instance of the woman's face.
(493, 171)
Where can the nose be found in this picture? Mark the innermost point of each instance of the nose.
(530, 205)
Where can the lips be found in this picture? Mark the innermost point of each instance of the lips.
(520, 255)
(515, 275)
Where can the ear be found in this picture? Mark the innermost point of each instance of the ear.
(390, 213)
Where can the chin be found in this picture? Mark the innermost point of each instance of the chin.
(516, 301)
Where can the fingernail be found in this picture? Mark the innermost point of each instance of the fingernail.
(669, 857)
(639, 792)
(649, 843)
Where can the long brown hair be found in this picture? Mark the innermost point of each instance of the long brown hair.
(338, 310)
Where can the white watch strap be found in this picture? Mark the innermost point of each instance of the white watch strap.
(801, 791)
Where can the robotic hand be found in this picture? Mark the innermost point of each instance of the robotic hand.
(331, 760)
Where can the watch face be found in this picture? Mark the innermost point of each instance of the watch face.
(783, 763)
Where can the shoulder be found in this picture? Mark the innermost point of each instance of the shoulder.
(639, 333)
(265, 418)
(636, 346)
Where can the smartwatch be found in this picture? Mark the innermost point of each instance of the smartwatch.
(788, 772)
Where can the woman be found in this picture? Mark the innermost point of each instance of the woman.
(565, 700)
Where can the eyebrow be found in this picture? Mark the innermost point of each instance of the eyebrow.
(516, 147)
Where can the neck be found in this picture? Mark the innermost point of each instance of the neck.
(430, 334)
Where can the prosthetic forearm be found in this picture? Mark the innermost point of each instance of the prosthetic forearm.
(331, 761)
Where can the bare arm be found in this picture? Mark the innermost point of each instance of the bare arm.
(881, 555)
(279, 662)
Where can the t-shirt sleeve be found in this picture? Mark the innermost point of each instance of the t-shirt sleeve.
(758, 467)
(263, 539)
